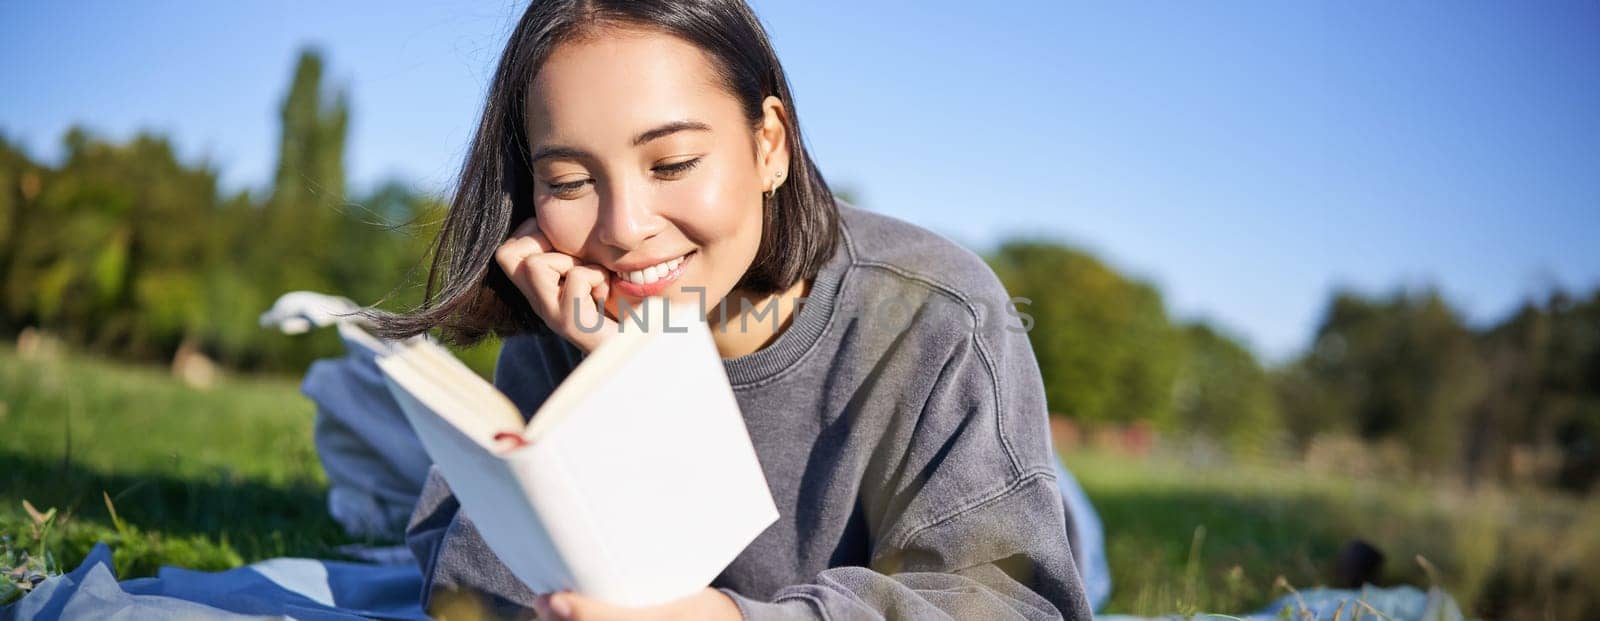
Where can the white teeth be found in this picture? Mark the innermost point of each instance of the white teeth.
(650, 274)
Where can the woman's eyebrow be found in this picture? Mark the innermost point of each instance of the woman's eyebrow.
(562, 151)
(670, 128)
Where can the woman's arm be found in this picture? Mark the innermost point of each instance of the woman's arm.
(1025, 572)
(456, 564)
(968, 521)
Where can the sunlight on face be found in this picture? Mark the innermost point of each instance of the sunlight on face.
(686, 199)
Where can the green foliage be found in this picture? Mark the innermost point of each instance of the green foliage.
(1544, 389)
(301, 217)
(125, 249)
(1517, 401)
(1110, 354)
(28, 560)
(1222, 392)
(112, 217)
(1105, 346)
(1406, 368)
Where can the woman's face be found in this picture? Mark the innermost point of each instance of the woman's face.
(646, 166)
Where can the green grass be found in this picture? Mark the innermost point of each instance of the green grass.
(205, 479)
(1188, 539)
(211, 479)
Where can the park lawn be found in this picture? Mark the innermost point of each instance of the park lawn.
(204, 479)
(1187, 539)
(211, 479)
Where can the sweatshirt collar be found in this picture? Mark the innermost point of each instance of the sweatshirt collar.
(806, 325)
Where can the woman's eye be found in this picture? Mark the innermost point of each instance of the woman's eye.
(678, 168)
(566, 189)
(570, 189)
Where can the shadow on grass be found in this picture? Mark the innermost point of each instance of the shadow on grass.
(228, 518)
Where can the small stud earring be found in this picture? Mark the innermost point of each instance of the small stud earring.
(776, 181)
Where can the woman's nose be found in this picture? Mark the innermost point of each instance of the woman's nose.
(627, 218)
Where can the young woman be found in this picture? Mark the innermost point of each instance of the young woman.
(651, 148)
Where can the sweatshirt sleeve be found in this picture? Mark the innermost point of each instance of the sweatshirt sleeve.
(454, 559)
(967, 519)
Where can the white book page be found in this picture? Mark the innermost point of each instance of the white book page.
(668, 477)
(451, 372)
(641, 486)
(497, 497)
(599, 365)
(452, 391)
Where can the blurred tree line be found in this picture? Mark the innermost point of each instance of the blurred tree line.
(124, 250)
(1517, 401)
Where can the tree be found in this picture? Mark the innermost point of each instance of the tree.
(1543, 364)
(1105, 346)
(21, 179)
(1223, 393)
(308, 194)
(112, 240)
(1402, 367)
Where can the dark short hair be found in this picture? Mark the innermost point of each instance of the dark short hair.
(468, 296)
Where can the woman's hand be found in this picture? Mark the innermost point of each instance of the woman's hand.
(568, 295)
(708, 604)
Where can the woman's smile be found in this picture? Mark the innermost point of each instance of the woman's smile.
(650, 280)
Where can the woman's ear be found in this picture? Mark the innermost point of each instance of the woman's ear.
(772, 143)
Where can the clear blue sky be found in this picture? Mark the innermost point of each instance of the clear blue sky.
(1247, 157)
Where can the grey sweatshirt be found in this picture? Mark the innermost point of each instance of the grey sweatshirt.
(900, 421)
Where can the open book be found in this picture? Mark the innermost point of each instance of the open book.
(635, 482)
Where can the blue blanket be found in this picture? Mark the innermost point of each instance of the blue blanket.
(317, 590)
(309, 589)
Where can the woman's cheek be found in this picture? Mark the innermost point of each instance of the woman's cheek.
(714, 218)
(707, 207)
(566, 226)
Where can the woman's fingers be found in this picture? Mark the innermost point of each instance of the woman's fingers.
(533, 265)
(583, 292)
(525, 240)
(709, 603)
(568, 295)
(536, 274)
(544, 274)
(530, 228)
